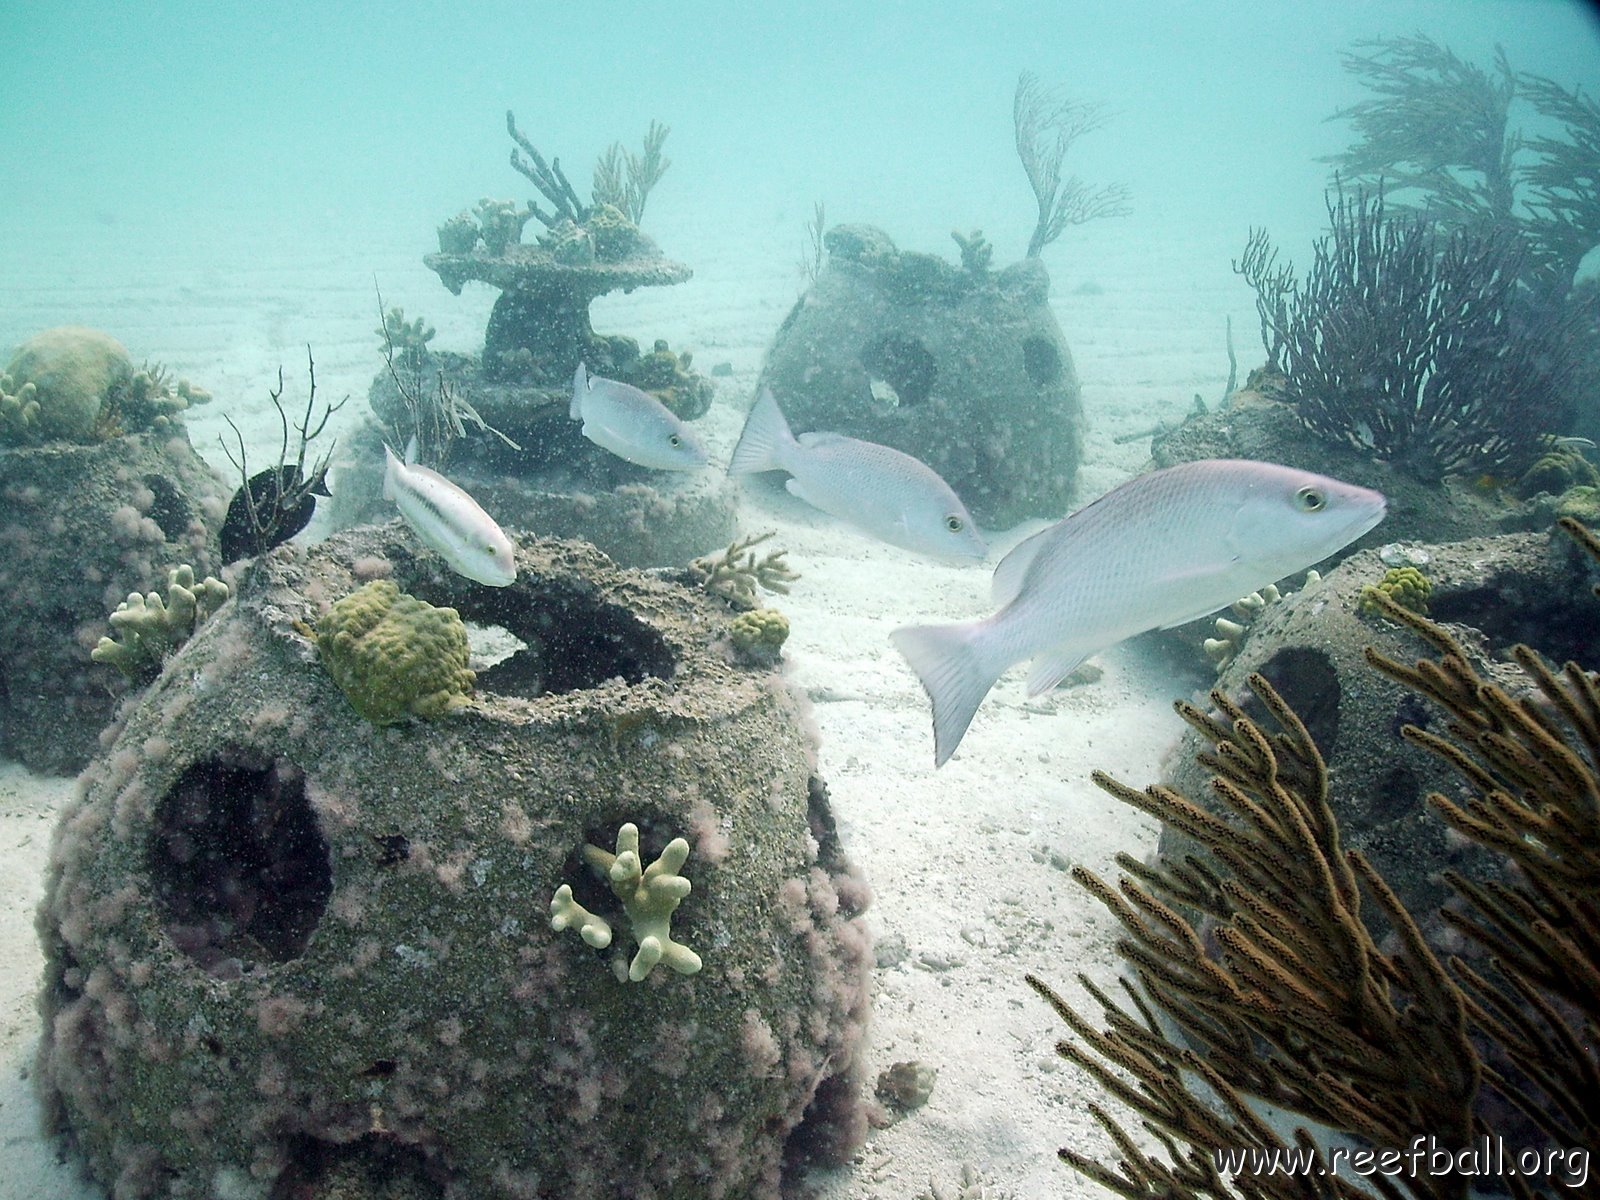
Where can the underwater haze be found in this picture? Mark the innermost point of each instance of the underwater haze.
(227, 188)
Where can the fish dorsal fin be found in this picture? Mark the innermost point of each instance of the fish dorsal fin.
(1013, 568)
(411, 451)
(823, 438)
(580, 386)
(1051, 667)
(390, 462)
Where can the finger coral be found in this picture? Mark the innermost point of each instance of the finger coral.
(151, 627)
(649, 896)
(395, 656)
(19, 406)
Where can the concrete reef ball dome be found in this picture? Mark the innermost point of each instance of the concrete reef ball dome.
(292, 953)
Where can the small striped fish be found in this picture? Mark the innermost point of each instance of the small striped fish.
(883, 491)
(632, 424)
(449, 521)
(1162, 549)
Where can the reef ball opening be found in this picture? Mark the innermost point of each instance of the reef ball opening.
(1307, 680)
(1041, 361)
(1507, 611)
(239, 866)
(571, 639)
(170, 511)
(904, 363)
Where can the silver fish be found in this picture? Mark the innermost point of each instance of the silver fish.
(449, 521)
(633, 424)
(1160, 550)
(891, 495)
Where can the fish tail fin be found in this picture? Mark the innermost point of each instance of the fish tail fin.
(390, 462)
(948, 659)
(580, 387)
(765, 440)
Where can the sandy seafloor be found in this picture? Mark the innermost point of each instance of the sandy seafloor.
(969, 863)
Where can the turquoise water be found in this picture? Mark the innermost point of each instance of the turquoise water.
(220, 185)
(210, 123)
(163, 152)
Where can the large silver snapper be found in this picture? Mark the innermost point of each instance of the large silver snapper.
(880, 490)
(1159, 550)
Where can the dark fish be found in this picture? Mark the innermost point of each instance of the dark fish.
(284, 506)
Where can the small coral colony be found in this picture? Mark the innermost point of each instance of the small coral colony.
(1439, 357)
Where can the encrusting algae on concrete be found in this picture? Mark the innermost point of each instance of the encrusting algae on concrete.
(285, 947)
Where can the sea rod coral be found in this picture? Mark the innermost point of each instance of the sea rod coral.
(1289, 997)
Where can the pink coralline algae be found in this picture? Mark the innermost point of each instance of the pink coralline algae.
(310, 957)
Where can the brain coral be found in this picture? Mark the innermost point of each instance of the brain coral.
(72, 369)
(1406, 586)
(395, 656)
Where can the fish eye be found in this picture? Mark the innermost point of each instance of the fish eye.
(954, 524)
(1310, 499)
(674, 441)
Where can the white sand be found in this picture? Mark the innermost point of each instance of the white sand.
(968, 863)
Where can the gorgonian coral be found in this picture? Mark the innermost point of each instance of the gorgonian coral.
(1402, 339)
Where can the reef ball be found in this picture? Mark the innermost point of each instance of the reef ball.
(293, 953)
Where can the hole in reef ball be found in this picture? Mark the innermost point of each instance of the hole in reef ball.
(1306, 678)
(240, 867)
(1041, 360)
(170, 510)
(1398, 796)
(904, 363)
(561, 638)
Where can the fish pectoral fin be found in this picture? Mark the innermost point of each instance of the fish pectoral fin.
(1051, 667)
(1013, 568)
(799, 491)
(1201, 579)
(580, 388)
(1195, 616)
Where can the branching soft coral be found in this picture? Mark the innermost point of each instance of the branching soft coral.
(1281, 992)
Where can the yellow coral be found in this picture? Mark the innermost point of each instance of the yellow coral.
(395, 656)
(151, 626)
(1581, 503)
(758, 635)
(1558, 470)
(1406, 586)
(19, 407)
(614, 235)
